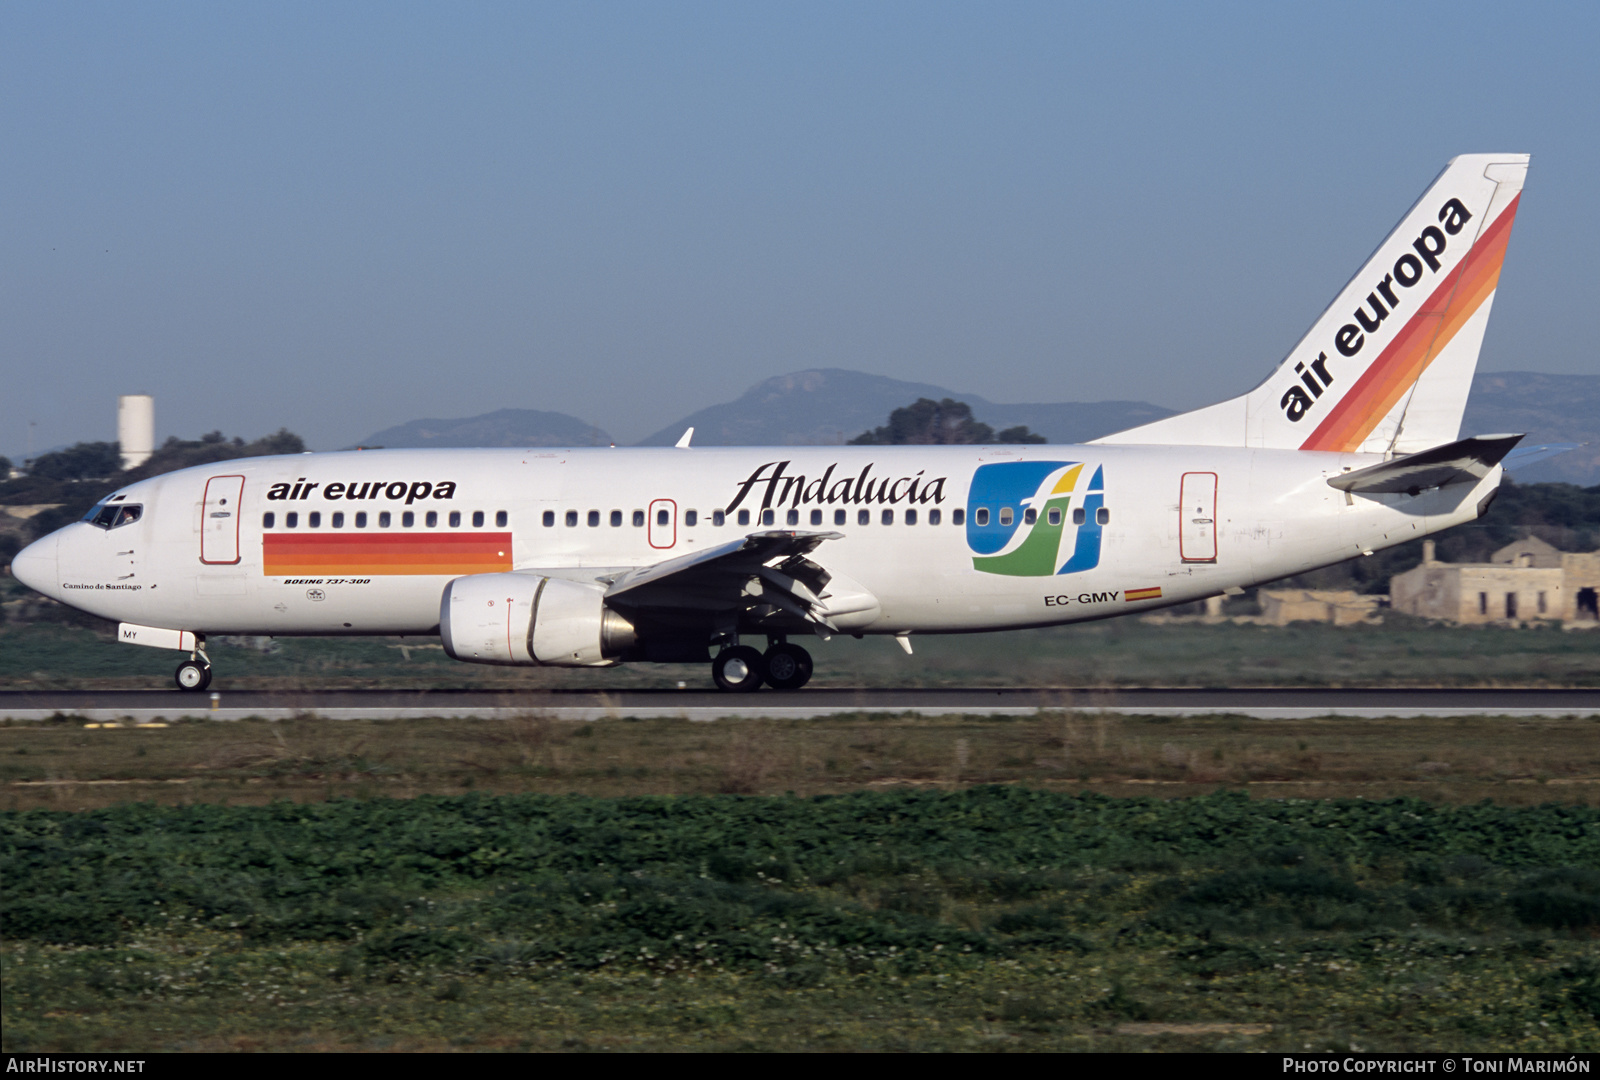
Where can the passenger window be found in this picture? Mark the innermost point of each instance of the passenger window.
(718, 518)
(291, 520)
(477, 519)
(501, 518)
(1055, 515)
(888, 517)
(338, 519)
(744, 517)
(572, 519)
(1005, 515)
(911, 517)
(549, 519)
(816, 517)
(1077, 516)
(638, 519)
(616, 519)
(691, 517)
(361, 519)
(268, 520)
(840, 517)
(455, 519)
(314, 519)
(1102, 516)
(432, 520)
(594, 519)
(933, 517)
(958, 516)
(981, 517)
(864, 517)
(383, 519)
(793, 517)
(407, 519)
(1029, 516)
(663, 517)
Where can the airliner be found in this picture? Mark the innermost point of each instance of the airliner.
(600, 556)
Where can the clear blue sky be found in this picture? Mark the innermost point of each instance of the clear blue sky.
(337, 217)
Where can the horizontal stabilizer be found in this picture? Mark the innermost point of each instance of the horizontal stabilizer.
(1465, 462)
(1523, 456)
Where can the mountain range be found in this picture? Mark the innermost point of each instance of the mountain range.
(831, 406)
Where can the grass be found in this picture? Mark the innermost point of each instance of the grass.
(1458, 760)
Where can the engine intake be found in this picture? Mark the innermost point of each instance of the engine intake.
(527, 619)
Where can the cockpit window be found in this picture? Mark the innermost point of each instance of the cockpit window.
(108, 516)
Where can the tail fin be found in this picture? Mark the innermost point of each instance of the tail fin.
(1387, 367)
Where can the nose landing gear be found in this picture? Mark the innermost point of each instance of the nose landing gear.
(193, 675)
(740, 669)
(195, 672)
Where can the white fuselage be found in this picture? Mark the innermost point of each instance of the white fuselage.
(203, 557)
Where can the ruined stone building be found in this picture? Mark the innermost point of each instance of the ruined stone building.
(1523, 581)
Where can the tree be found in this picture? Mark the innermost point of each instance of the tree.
(81, 461)
(926, 422)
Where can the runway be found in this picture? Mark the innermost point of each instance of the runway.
(155, 706)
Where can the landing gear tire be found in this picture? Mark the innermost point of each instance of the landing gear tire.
(738, 669)
(786, 667)
(193, 675)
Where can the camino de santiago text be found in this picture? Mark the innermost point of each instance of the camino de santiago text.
(1381, 302)
(861, 488)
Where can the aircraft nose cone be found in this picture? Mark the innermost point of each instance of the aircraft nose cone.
(35, 565)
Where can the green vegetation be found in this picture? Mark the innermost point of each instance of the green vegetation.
(992, 917)
(926, 422)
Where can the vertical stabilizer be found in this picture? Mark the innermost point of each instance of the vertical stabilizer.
(1387, 367)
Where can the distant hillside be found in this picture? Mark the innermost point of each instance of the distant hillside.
(830, 406)
(507, 427)
(1550, 408)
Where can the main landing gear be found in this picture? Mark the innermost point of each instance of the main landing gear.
(195, 672)
(741, 669)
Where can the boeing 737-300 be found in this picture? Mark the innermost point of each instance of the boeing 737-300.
(592, 557)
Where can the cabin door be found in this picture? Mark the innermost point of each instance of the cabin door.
(1197, 517)
(220, 520)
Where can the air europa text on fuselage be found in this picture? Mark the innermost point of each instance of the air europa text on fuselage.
(1349, 339)
(409, 490)
(861, 488)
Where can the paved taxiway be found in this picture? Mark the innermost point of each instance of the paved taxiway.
(142, 706)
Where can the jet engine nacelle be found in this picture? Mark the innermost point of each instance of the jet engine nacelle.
(530, 619)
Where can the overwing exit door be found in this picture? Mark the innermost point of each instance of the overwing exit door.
(219, 521)
(663, 523)
(1197, 517)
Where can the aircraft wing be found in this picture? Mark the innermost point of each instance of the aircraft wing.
(1465, 461)
(768, 568)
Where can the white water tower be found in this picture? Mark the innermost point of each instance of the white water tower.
(136, 428)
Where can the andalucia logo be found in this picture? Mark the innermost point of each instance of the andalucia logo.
(1028, 518)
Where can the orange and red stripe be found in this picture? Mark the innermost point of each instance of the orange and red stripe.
(321, 554)
(1398, 367)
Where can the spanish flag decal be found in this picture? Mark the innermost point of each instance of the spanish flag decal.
(1142, 594)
